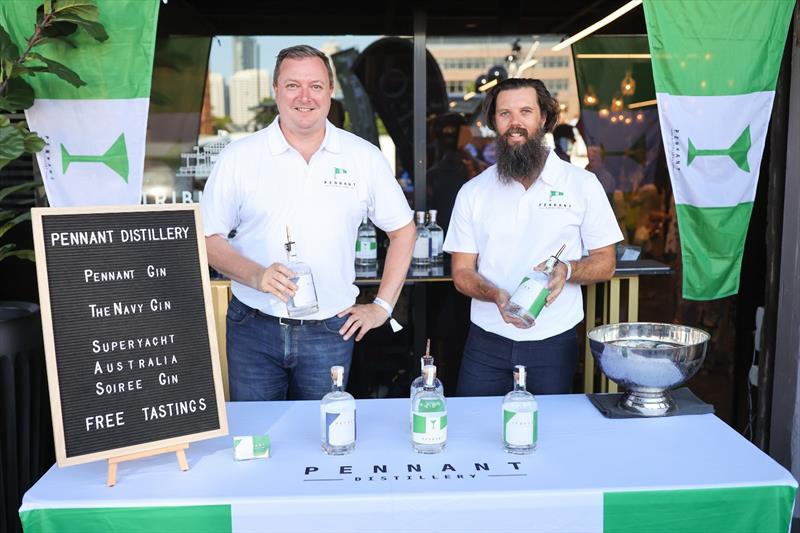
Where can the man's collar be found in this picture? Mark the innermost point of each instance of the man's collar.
(278, 143)
(552, 172)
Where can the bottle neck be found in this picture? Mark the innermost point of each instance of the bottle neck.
(337, 388)
(519, 386)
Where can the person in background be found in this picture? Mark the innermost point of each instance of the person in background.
(304, 173)
(564, 138)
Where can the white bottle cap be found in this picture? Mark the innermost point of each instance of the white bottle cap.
(337, 375)
(520, 374)
(429, 374)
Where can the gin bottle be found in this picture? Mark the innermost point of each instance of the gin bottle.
(520, 417)
(530, 296)
(337, 414)
(418, 383)
(437, 237)
(304, 302)
(428, 416)
(422, 246)
(367, 244)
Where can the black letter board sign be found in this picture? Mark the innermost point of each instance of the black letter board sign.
(132, 360)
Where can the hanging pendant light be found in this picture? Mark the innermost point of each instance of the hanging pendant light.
(617, 104)
(628, 84)
(590, 98)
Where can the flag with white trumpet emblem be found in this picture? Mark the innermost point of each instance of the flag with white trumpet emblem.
(95, 134)
(715, 66)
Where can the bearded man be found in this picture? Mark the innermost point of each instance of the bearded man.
(507, 221)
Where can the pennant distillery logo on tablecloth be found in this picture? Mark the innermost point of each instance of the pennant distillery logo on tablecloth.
(715, 65)
(95, 134)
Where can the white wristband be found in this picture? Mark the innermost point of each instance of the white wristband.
(383, 304)
(568, 264)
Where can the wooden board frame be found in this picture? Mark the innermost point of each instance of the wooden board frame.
(49, 341)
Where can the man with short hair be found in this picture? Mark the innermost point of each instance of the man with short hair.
(510, 219)
(304, 173)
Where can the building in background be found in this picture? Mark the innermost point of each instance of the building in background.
(217, 94)
(245, 53)
(247, 89)
(330, 48)
(464, 59)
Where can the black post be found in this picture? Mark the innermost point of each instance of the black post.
(778, 144)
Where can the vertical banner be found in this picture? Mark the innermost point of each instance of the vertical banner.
(95, 134)
(715, 65)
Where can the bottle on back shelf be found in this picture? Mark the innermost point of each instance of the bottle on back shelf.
(366, 244)
(437, 237)
(422, 246)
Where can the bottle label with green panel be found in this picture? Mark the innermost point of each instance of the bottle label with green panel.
(429, 422)
(519, 429)
(531, 295)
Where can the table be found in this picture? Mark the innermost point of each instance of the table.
(588, 474)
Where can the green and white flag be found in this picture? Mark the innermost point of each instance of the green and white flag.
(715, 65)
(95, 134)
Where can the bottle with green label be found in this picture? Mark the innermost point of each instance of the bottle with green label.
(429, 416)
(366, 244)
(531, 295)
(520, 417)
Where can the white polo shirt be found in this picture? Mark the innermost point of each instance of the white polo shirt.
(261, 184)
(512, 230)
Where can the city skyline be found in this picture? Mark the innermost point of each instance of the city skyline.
(221, 60)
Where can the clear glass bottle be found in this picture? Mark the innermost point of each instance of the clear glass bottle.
(520, 417)
(366, 244)
(530, 296)
(304, 302)
(418, 383)
(337, 414)
(428, 416)
(422, 246)
(437, 237)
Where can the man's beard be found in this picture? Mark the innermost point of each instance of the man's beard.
(520, 162)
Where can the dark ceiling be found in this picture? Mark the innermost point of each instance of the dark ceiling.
(392, 17)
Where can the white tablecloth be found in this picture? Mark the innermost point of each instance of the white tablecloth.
(588, 474)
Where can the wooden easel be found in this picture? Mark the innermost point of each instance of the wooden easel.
(179, 449)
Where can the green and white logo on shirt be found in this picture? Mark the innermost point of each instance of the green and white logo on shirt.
(340, 179)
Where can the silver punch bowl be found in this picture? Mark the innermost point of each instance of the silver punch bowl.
(648, 359)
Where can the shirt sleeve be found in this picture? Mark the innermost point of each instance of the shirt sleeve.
(460, 233)
(388, 208)
(219, 204)
(599, 227)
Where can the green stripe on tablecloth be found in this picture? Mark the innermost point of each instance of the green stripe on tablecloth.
(197, 519)
(730, 510)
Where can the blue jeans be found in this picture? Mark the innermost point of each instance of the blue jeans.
(487, 368)
(271, 361)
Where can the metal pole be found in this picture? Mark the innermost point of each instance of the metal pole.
(778, 144)
(420, 307)
(420, 102)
